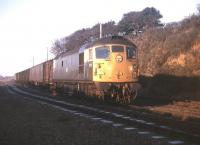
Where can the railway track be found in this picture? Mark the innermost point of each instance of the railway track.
(140, 123)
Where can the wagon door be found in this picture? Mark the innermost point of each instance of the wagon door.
(45, 79)
(48, 71)
(90, 65)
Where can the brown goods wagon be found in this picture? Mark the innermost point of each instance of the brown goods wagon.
(23, 76)
(36, 74)
(17, 76)
(26, 75)
(48, 72)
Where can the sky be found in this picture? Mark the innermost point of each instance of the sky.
(28, 28)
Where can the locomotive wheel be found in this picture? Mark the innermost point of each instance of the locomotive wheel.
(133, 94)
(129, 95)
(126, 95)
(114, 93)
(117, 98)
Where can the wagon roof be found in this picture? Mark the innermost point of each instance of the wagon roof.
(102, 41)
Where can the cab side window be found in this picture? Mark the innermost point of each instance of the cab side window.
(130, 52)
(102, 52)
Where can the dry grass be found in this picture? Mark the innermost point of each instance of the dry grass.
(180, 109)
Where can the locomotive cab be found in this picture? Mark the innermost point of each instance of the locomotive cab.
(115, 63)
(115, 69)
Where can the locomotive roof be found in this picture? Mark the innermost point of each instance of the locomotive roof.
(71, 51)
(106, 40)
(112, 40)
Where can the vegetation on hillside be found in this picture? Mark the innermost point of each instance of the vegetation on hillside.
(172, 49)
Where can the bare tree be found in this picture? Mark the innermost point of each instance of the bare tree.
(198, 8)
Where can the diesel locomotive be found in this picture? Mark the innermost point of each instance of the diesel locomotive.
(106, 69)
